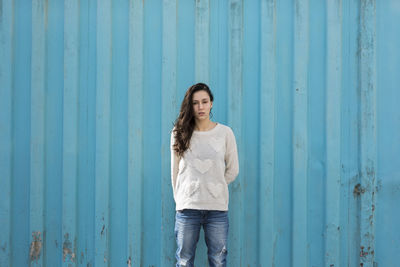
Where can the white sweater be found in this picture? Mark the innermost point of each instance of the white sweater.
(200, 178)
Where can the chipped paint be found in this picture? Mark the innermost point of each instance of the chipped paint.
(68, 252)
(358, 190)
(102, 229)
(368, 128)
(129, 262)
(105, 256)
(36, 246)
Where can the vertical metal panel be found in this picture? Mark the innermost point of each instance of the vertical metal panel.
(152, 62)
(70, 131)
(267, 235)
(202, 43)
(38, 109)
(367, 157)
(283, 128)
(54, 103)
(316, 133)
(6, 132)
(103, 132)
(387, 191)
(169, 102)
(119, 130)
(234, 115)
(250, 120)
(300, 133)
(350, 136)
(333, 127)
(20, 128)
(89, 92)
(85, 243)
(135, 133)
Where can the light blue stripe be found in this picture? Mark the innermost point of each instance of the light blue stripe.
(250, 120)
(333, 132)
(185, 45)
(218, 66)
(152, 124)
(234, 106)
(85, 244)
(169, 107)
(135, 133)
(38, 110)
(119, 134)
(103, 110)
(70, 131)
(368, 150)
(350, 249)
(267, 239)
(202, 36)
(54, 26)
(300, 251)
(6, 66)
(283, 215)
(20, 124)
(388, 141)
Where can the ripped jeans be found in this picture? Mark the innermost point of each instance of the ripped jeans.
(187, 228)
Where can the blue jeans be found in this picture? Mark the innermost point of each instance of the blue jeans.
(187, 228)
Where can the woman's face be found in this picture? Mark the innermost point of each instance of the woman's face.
(201, 105)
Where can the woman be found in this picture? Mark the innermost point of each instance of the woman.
(204, 161)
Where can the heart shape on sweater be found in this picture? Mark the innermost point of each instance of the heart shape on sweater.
(191, 188)
(202, 165)
(215, 189)
(216, 143)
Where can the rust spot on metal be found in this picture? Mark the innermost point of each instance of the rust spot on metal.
(358, 190)
(67, 249)
(362, 252)
(36, 246)
(378, 186)
(368, 251)
(129, 262)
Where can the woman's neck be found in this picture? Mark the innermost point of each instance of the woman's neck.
(204, 125)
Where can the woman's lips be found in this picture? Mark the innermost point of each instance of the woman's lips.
(202, 113)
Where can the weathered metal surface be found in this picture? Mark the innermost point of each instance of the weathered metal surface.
(89, 91)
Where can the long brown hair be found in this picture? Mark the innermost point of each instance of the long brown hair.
(185, 123)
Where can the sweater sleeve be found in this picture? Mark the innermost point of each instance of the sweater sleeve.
(174, 164)
(231, 158)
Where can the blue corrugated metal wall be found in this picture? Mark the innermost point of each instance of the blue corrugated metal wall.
(89, 91)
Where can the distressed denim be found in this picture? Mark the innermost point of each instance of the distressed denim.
(187, 229)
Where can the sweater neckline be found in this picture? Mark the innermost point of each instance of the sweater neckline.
(208, 131)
